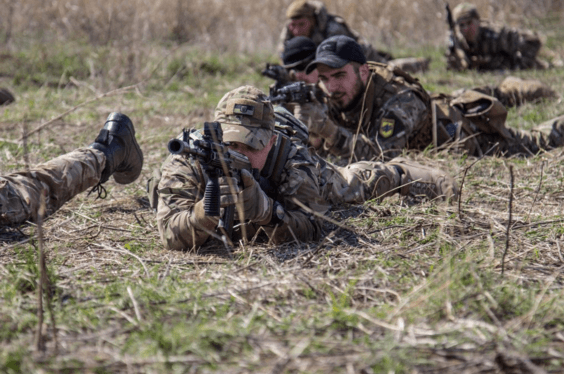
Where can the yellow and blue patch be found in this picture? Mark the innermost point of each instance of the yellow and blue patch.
(387, 127)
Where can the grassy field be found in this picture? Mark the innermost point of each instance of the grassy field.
(398, 288)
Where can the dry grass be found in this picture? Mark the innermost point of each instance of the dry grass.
(409, 288)
(242, 26)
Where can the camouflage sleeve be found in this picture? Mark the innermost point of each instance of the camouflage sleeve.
(347, 143)
(182, 185)
(299, 194)
(456, 57)
(521, 46)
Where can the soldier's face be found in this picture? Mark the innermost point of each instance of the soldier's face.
(302, 26)
(469, 28)
(345, 84)
(257, 157)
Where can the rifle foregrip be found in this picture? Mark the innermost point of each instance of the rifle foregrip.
(212, 198)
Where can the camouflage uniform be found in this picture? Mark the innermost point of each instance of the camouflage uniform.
(495, 48)
(61, 179)
(514, 91)
(305, 188)
(114, 152)
(327, 25)
(395, 113)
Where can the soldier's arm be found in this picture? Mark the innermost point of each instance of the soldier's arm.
(337, 140)
(300, 197)
(180, 218)
(456, 57)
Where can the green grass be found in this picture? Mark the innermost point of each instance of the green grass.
(411, 289)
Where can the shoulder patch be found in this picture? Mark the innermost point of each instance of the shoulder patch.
(387, 127)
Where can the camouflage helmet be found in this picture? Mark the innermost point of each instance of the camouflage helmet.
(300, 8)
(246, 116)
(464, 11)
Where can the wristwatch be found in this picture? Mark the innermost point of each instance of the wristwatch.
(278, 214)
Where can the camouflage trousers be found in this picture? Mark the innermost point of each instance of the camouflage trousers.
(367, 180)
(358, 182)
(544, 137)
(59, 179)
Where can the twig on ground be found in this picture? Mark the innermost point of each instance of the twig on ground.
(135, 306)
(536, 194)
(464, 177)
(509, 221)
(106, 248)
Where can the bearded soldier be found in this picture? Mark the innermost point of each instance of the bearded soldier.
(475, 44)
(376, 111)
(286, 204)
(115, 152)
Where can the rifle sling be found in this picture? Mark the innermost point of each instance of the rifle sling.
(277, 158)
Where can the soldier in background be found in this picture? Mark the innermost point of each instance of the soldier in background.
(310, 18)
(287, 205)
(375, 111)
(475, 44)
(114, 152)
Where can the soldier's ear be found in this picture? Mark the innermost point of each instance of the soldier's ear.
(364, 72)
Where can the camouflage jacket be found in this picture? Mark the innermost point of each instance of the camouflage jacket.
(392, 115)
(183, 184)
(328, 25)
(496, 48)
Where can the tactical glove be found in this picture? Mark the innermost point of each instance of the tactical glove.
(256, 206)
(316, 118)
(229, 195)
(229, 191)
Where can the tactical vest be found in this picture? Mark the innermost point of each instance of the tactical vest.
(387, 82)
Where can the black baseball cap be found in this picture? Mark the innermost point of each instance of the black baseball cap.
(336, 52)
(299, 50)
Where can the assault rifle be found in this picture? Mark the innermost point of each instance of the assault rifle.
(297, 92)
(216, 160)
(462, 61)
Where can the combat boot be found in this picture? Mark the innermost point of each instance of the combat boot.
(420, 180)
(116, 140)
(555, 130)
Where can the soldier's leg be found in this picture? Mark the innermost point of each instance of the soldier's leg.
(420, 180)
(114, 152)
(519, 142)
(367, 180)
(60, 179)
(553, 131)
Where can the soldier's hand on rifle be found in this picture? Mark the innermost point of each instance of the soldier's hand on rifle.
(314, 115)
(256, 205)
(229, 191)
(229, 195)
